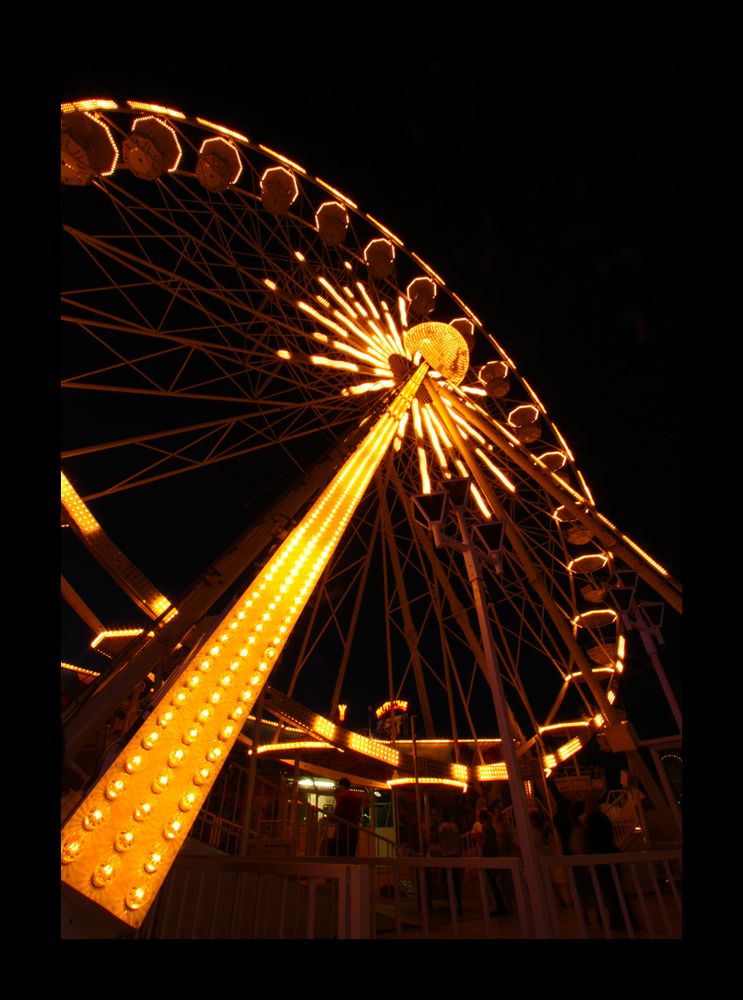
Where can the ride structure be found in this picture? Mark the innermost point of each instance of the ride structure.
(244, 346)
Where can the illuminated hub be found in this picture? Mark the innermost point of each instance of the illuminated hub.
(442, 347)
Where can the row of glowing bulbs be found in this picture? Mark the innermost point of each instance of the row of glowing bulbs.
(105, 871)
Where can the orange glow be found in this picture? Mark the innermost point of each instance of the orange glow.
(443, 437)
(433, 436)
(403, 424)
(428, 268)
(563, 442)
(115, 634)
(471, 432)
(443, 348)
(549, 458)
(480, 501)
(563, 725)
(522, 416)
(342, 713)
(160, 605)
(644, 554)
(403, 310)
(337, 193)
(468, 311)
(389, 706)
(299, 745)
(503, 428)
(225, 131)
(569, 489)
(534, 396)
(365, 295)
(495, 470)
(279, 179)
(114, 147)
(317, 359)
(595, 619)
(417, 425)
(492, 772)
(451, 782)
(218, 143)
(361, 355)
(284, 159)
(325, 320)
(156, 108)
(588, 563)
(338, 297)
(569, 749)
(373, 748)
(384, 229)
(77, 509)
(423, 469)
(93, 104)
(393, 330)
(79, 670)
(586, 490)
(363, 387)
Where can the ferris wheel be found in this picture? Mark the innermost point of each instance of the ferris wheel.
(235, 330)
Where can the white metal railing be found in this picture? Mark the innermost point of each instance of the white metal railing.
(238, 898)
(635, 895)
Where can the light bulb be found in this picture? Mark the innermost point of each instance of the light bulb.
(124, 840)
(135, 897)
(142, 811)
(94, 818)
(105, 872)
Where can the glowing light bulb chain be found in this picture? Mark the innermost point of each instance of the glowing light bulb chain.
(120, 843)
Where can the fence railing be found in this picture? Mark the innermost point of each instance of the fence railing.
(636, 896)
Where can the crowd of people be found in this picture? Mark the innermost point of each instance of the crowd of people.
(576, 828)
(573, 829)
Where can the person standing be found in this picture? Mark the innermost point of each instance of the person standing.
(347, 816)
(599, 839)
(450, 841)
(490, 849)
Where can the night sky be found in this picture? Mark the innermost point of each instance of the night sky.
(547, 194)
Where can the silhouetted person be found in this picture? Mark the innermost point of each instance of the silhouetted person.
(347, 816)
(491, 849)
(450, 841)
(599, 839)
